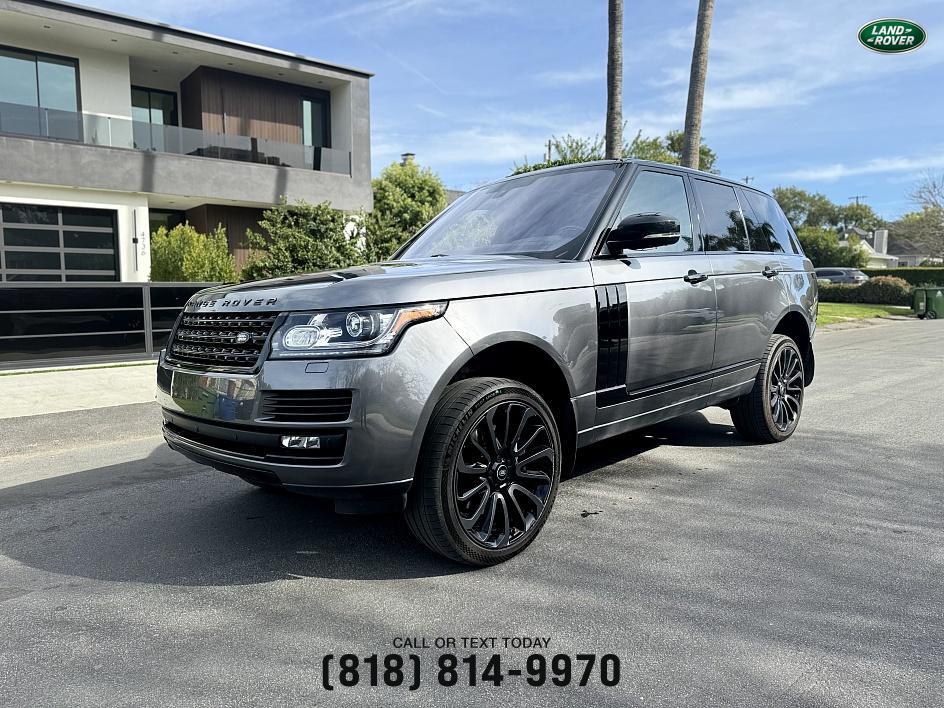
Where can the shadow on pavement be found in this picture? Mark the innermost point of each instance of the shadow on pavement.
(165, 520)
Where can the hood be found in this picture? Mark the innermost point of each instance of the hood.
(396, 283)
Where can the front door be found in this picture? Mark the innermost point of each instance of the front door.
(656, 315)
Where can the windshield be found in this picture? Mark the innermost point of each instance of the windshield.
(545, 215)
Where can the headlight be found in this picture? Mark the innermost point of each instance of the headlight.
(360, 332)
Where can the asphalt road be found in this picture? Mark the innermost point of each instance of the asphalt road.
(806, 573)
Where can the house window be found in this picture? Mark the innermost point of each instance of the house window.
(315, 129)
(47, 243)
(152, 110)
(39, 95)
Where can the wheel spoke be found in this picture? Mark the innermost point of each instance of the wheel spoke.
(525, 417)
(535, 499)
(473, 438)
(535, 474)
(540, 454)
(465, 468)
(480, 487)
(469, 522)
(506, 521)
(490, 423)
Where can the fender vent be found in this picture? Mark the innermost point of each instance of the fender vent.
(612, 335)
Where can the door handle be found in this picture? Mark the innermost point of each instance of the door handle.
(769, 272)
(694, 277)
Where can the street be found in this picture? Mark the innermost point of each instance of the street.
(805, 573)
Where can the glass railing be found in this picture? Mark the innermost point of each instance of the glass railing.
(94, 129)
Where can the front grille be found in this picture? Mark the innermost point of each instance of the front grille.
(305, 406)
(213, 339)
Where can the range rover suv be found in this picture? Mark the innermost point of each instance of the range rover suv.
(534, 316)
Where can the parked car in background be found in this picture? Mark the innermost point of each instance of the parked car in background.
(534, 316)
(844, 276)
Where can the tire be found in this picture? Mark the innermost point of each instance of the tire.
(497, 504)
(932, 314)
(771, 411)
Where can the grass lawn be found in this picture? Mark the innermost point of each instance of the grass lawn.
(832, 312)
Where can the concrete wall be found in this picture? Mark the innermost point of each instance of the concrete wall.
(132, 211)
(37, 161)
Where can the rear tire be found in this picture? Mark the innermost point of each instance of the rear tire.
(488, 472)
(771, 411)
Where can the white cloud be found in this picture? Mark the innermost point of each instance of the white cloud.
(879, 165)
(571, 77)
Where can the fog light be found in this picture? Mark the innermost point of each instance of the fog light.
(301, 441)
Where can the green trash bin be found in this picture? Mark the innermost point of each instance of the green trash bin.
(928, 302)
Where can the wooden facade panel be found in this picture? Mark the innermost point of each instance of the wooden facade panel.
(238, 104)
(236, 221)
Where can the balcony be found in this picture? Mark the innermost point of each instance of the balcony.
(108, 131)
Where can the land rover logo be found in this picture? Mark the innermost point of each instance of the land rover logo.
(242, 337)
(892, 36)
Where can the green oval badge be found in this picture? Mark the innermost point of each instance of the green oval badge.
(892, 36)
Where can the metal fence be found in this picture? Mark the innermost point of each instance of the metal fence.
(62, 323)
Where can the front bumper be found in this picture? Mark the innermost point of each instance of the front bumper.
(219, 419)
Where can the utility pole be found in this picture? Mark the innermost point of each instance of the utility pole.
(857, 197)
(548, 149)
(747, 180)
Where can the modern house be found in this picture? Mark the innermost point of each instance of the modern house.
(111, 126)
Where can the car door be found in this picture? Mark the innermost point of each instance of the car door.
(656, 314)
(746, 274)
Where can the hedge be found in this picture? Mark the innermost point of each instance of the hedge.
(914, 275)
(881, 290)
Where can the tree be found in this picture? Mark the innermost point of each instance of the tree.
(929, 195)
(571, 149)
(184, 255)
(803, 208)
(823, 248)
(614, 81)
(861, 216)
(406, 197)
(300, 238)
(696, 85)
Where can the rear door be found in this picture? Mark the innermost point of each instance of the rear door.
(656, 312)
(746, 273)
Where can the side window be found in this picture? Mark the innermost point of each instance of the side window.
(723, 228)
(664, 193)
(770, 225)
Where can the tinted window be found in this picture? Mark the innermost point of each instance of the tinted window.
(545, 215)
(723, 227)
(663, 193)
(769, 224)
(39, 95)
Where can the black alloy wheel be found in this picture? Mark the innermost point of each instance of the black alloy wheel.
(503, 474)
(488, 471)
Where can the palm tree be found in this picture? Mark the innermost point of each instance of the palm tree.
(614, 82)
(696, 85)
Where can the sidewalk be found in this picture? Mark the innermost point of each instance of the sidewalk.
(61, 390)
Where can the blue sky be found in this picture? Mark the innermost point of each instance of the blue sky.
(473, 86)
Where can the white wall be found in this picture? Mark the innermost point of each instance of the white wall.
(132, 209)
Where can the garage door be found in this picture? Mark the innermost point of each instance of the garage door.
(48, 243)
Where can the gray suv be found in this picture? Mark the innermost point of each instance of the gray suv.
(534, 316)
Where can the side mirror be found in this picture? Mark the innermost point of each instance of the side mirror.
(638, 231)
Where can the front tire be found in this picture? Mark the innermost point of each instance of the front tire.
(488, 472)
(771, 411)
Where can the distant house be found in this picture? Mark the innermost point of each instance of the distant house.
(909, 253)
(874, 243)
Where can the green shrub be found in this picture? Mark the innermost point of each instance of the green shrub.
(922, 275)
(881, 290)
(406, 197)
(183, 254)
(300, 238)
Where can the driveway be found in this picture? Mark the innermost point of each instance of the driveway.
(806, 573)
